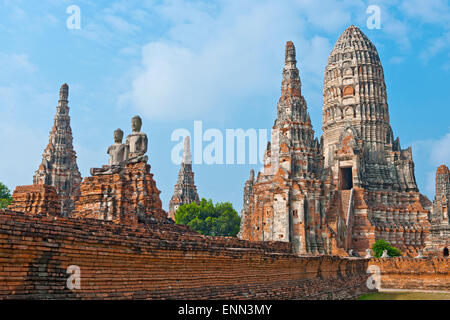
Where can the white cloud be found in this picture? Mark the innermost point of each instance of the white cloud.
(21, 153)
(120, 25)
(11, 63)
(440, 151)
(398, 30)
(436, 46)
(432, 154)
(331, 15)
(429, 11)
(396, 60)
(215, 58)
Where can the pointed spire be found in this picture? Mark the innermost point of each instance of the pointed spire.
(185, 191)
(59, 167)
(187, 158)
(290, 61)
(291, 84)
(64, 92)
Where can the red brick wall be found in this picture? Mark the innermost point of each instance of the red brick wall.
(160, 261)
(418, 274)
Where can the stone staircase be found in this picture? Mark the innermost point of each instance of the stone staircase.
(345, 201)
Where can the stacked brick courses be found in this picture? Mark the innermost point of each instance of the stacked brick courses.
(38, 199)
(122, 198)
(414, 274)
(160, 261)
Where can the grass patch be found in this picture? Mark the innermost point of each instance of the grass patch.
(405, 296)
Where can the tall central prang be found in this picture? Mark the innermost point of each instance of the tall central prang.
(359, 143)
(357, 185)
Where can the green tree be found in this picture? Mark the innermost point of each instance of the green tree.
(5, 196)
(380, 245)
(209, 219)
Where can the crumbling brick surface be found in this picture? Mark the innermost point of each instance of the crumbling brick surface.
(160, 261)
(414, 274)
(37, 199)
(124, 197)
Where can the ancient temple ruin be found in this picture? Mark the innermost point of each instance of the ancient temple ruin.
(123, 191)
(439, 239)
(334, 195)
(185, 191)
(287, 201)
(354, 186)
(58, 171)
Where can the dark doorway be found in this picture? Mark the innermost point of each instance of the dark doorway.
(445, 252)
(346, 178)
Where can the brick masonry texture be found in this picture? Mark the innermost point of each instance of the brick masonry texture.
(124, 197)
(160, 261)
(59, 161)
(314, 204)
(417, 274)
(354, 186)
(185, 191)
(37, 199)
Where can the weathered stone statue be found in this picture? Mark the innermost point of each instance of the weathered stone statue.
(385, 254)
(420, 255)
(118, 152)
(137, 142)
(118, 156)
(368, 254)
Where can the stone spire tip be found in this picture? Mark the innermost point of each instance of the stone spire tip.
(64, 92)
(290, 53)
(187, 158)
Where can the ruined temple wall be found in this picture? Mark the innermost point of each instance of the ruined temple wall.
(160, 261)
(399, 218)
(437, 241)
(414, 274)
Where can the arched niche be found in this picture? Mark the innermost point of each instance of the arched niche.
(348, 91)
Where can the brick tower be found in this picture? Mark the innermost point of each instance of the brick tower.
(185, 191)
(438, 243)
(59, 166)
(356, 116)
(287, 200)
(357, 185)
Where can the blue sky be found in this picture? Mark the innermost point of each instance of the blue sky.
(174, 62)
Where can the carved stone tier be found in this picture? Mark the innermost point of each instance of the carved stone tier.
(354, 187)
(438, 243)
(185, 191)
(37, 199)
(124, 197)
(287, 200)
(59, 166)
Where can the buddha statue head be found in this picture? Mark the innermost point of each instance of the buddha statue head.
(136, 124)
(118, 136)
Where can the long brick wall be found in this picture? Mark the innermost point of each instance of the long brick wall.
(160, 261)
(414, 274)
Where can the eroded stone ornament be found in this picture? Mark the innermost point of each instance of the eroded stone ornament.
(118, 156)
(368, 254)
(420, 255)
(137, 142)
(385, 254)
